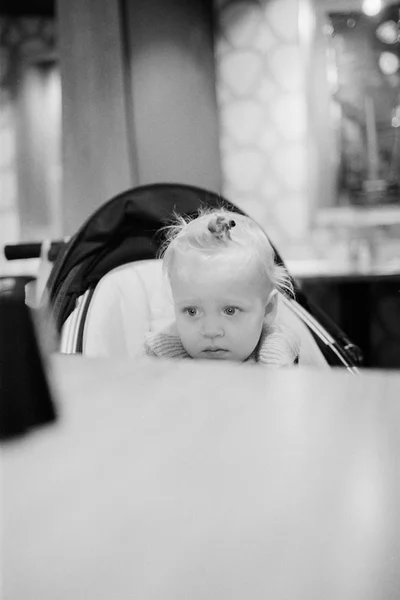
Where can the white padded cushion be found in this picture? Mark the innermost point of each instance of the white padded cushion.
(128, 302)
(136, 298)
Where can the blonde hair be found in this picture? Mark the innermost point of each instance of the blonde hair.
(214, 230)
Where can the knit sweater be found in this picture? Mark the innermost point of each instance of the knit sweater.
(275, 348)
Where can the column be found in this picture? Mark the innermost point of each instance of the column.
(97, 155)
(172, 88)
(139, 101)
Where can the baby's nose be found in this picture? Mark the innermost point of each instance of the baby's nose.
(212, 329)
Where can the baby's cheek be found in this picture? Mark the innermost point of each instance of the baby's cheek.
(185, 328)
(180, 326)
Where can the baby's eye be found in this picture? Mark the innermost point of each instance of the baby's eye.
(230, 310)
(191, 311)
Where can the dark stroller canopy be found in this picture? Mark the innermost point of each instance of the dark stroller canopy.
(137, 213)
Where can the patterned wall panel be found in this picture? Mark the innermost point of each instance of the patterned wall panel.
(260, 78)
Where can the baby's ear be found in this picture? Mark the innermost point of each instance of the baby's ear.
(271, 308)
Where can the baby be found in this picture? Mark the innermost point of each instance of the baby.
(225, 286)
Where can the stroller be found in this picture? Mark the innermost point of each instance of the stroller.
(106, 288)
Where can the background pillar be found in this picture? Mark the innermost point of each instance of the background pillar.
(172, 87)
(139, 100)
(97, 161)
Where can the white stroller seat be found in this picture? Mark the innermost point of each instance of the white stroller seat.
(128, 302)
(135, 299)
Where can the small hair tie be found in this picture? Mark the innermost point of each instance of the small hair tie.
(221, 226)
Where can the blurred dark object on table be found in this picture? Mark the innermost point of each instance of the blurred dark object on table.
(25, 397)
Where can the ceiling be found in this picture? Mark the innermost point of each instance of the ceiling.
(27, 7)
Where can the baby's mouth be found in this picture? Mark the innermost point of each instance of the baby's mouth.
(212, 350)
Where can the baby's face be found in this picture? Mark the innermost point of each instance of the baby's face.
(219, 305)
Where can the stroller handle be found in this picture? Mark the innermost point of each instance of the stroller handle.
(32, 250)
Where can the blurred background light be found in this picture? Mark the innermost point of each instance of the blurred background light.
(388, 32)
(389, 63)
(372, 7)
(396, 117)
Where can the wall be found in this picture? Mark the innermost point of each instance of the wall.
(30, 158)
(139, 105)
(38, 140)
(9, 223)
(261, 78)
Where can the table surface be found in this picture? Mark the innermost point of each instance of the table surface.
(188, 480)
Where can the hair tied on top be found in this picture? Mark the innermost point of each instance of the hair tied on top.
(220, 226)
